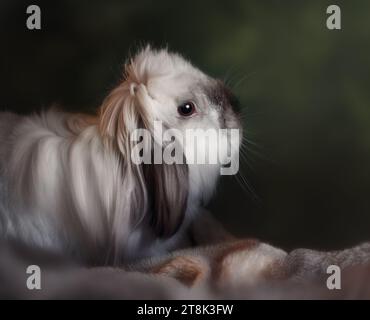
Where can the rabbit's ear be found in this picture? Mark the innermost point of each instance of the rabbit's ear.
(120, 115)
(164, 186)
(124, 111)
(168, 191)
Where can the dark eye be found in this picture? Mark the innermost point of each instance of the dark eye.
(186, 109)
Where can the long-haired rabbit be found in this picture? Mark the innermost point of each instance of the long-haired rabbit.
(68, 182)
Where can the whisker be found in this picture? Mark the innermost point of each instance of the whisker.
(247, 187)
(242, 79)
(250, 142)
(229, 77)
(246, 160)
(241, 179)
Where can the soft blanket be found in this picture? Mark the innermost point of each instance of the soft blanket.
(233, 269)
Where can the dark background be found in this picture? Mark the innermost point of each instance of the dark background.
(304, 91)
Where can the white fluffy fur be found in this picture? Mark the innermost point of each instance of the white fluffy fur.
(65, 180)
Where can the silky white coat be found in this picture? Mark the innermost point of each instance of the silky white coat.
(67, 182)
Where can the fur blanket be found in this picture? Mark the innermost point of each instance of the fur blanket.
(234, 269)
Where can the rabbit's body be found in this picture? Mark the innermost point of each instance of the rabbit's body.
(53, 197)
(62, 190)
(67, 181)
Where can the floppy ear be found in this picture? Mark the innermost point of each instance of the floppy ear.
(168, 192)
(118, 118)
(164, 186)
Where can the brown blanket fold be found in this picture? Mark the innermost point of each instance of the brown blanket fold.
(237, 269)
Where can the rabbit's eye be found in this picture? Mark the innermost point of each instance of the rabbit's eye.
(186, 109)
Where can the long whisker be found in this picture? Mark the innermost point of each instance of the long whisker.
(229, 77)
(248, 113)
(246, 186)
(242, 79)
(244, 157)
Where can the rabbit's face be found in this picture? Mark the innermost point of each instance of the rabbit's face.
(181, 97)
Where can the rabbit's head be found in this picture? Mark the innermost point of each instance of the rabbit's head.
(161, 90)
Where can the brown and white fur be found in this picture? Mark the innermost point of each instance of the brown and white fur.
(67, 183)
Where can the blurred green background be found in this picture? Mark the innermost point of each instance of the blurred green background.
(304, 91)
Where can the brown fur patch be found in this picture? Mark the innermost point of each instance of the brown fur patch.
(235, 247)
(187, 270)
